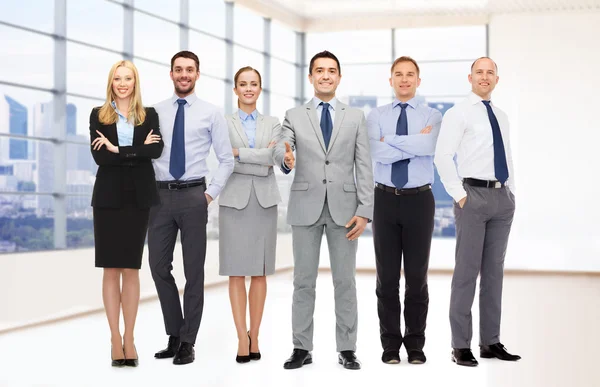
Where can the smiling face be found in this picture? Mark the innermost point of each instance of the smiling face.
(325, 78)
(483, 77)
(123, 84)
(247, 87)
(184, 76)
(405, 80)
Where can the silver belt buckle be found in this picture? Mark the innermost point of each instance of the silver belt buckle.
(172, 186)
(497, 184)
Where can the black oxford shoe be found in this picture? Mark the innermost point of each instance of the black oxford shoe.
(497, 351)
(171, 349)
(390, 357)
(185, 354)
(348, 360)
(416, 356)
(464, 357)
(299, 358)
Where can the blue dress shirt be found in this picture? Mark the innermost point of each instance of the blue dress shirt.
(124, 128)
(419, 148)
(249, 124)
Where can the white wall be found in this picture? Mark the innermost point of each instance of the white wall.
(549, 67)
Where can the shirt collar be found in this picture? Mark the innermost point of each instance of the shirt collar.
(114, 105)
(413, 102)
(190, 99)
(316, 102)
(474, 99)
(243, 115)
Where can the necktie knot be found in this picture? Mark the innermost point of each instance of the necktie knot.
(486, 103)
(181, 101)
(325, 105)
(403, 106)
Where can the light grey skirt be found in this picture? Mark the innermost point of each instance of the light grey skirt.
(247, 239)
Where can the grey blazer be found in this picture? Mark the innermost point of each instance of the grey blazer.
(255, 165)
(343, 171)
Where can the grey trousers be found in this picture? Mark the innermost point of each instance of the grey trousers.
(342, 255)
(482, 229)
(186, 211)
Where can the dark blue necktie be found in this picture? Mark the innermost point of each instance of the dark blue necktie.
(500, 166)
(400, 167)
(326, 124)
(177, 162)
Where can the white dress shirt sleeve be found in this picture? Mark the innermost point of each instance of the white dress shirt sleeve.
(451, 134)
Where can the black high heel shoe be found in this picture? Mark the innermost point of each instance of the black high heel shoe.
(116, 362)
(253, 355)
(242, 359)
(132, 362)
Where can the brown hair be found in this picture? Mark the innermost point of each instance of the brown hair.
(243, 70)
(188, 55)
(324, 54)
(405, 59)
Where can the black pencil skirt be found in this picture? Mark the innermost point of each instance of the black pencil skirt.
(119, 234)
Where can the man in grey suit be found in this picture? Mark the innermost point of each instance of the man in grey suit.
(332, 191)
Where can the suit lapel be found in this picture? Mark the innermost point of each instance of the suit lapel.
(340, 111)
(260, 132)
(237, 124)
(312, 116)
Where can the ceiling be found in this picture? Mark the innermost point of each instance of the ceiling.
(327, 15)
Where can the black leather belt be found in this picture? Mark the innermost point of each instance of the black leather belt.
(404, 191)
(483, 183)
(177, 185)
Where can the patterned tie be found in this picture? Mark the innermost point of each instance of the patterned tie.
(400, 167)
(326, 124)
(177, 162)
(500, 166)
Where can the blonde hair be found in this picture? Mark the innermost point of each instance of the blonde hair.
(136, 114)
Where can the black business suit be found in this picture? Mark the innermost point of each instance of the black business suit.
(124, 191)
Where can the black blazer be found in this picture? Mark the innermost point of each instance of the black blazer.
(132, 162)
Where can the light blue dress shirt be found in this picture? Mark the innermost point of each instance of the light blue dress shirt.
(124, 128)
(249, 124)
(419, 148)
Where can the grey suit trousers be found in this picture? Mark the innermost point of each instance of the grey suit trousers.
(342, 255)
(482, 226)
(182, 210)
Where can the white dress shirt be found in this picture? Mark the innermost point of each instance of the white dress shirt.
(317, 105)
(467, 133)
(205, 125)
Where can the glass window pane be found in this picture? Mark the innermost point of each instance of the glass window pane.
(154, 39)
(463, 42)
(248, 28)
(26, 223)
(243, 57)
(208, 15)
(375, 46)
(168, 9)
(78, 116)
(283, 78)
(39, 15)
(283, 42)
(279, 105)
(83, 23)
(27, 58)
(87, 69)
(211, 90)
(445, 79)
(155, 81)
(20, 113)
(80, 225)
(27, 167)
(211, 52)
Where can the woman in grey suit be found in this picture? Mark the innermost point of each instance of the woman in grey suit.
(248, 211)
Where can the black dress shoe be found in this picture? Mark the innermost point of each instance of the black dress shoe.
(416, 356)
(464, 357)
(171, 349)
(132, 362)
(390, 357)
(348, 360)
(253, 355)
(299, 358)
(498, 351)
(116, 362)
(185, 354)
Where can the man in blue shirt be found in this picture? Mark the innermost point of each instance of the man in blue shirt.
(402, 136)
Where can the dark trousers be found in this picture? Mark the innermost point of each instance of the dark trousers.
(402, 228)
(182, 210)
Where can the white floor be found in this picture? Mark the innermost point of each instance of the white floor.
(551, 321)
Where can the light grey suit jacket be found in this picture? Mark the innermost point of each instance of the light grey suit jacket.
(343, 171)
(255, 165)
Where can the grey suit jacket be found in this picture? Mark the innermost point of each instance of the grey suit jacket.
(255, 165)
(343, 171)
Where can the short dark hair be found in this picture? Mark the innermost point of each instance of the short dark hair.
(324, 54)
(405, 59)
(484, 57)
(188, 55)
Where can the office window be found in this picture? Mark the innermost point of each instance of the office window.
(168, 9)
(248, 28)
(243, 57)
(97, 22)
(39, 15)
(352, 46)
(210, 51)
(283, 42)
(155, 81)
(283, 78)
(87, 70)
(27, 58)
(211, 90)
(26, 223)
(441, 43)
(154, 39)
(208, 16)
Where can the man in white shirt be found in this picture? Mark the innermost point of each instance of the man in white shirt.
(481, 184)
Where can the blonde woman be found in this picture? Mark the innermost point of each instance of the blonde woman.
(248, 211)
(125, 137)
